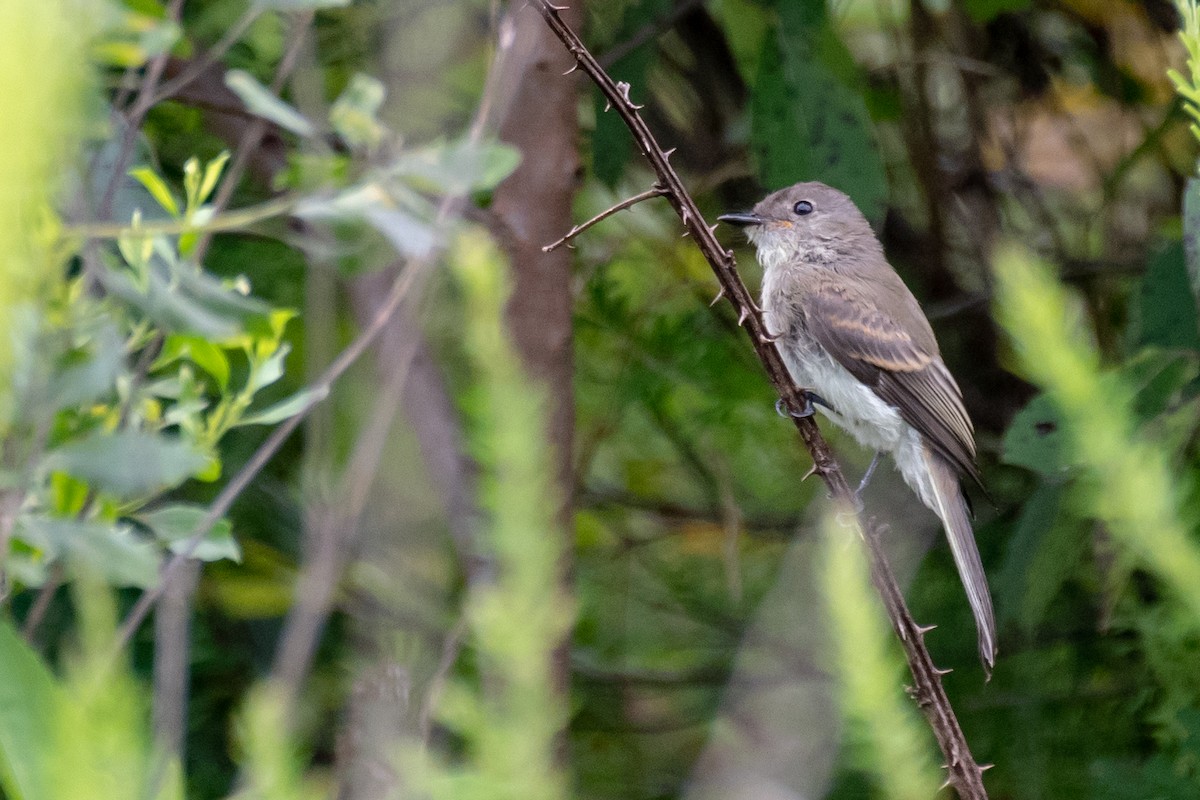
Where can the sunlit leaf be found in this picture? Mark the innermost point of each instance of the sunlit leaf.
(29, 704)
(157, 188)
(176, 524)
(200, 351)
(212, 173)
(128, 463)
(261, 101)
(285, 409)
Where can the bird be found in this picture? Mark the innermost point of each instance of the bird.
(853, 336)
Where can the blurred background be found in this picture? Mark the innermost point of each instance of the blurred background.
(538, 530)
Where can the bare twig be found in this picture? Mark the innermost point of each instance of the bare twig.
(196, 68)
(41, 603)
(965, 774)
(334, 533)
(654, 191)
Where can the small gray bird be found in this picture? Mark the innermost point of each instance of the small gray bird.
(851, 332)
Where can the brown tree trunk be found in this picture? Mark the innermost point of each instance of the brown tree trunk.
(534, 208)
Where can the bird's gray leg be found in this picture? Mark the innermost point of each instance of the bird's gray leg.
(866, 478)
(810, 398)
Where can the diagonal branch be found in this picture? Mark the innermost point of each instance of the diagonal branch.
(966, 776)
(653, 191)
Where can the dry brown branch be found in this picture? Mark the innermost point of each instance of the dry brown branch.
(965, 775)
(654, 191)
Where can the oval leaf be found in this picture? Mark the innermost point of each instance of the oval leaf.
(260, 100)
(128, 464)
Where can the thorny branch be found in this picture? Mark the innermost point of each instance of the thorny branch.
(965, 775)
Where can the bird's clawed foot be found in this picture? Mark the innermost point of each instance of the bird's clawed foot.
(866, 479)
(811, 400)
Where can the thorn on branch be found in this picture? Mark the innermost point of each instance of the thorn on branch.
(942, 672)
(811, 471)
(742, 316)
(667, 155)
(924, 629)
(574, 67)
(556, 9)
(624, 89)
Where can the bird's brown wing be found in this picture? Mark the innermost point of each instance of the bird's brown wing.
(900, 362)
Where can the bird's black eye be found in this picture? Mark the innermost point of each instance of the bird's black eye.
(803, 207)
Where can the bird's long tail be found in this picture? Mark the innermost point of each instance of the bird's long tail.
(951, 505)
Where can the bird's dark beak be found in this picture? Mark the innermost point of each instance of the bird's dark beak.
(742, 220)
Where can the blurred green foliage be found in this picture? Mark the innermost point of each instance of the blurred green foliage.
(155, 339)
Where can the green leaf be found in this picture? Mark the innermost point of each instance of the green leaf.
(113, 552)
(262, 102)
(157, 187)
(1034, 438)
(1042, 554)
(809, 120)
(200, 351)
(407, 232)
(29, 708)
(189, 300)
(1159, 379)
(354, 114)
(1167, 308)
(612, 145)
(1191, 233)
(266, 371)
(83, 381)
(212, 173)
(175, 525)
(1156, 778)
(128, 464)
(457, 167)
(285, 409)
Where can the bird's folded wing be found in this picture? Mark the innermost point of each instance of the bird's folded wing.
(901, 365)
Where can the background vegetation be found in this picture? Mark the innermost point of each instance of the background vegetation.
(318, 477)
